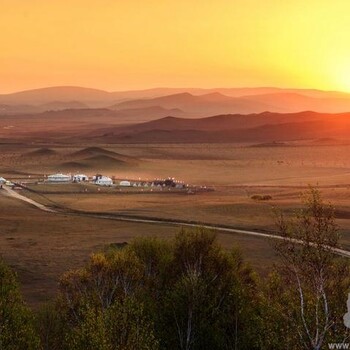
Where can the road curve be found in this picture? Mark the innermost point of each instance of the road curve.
(11, 193)
(222, 229)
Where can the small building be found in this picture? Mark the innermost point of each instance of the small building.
(80, 178)
(59, 178)
(103, 180)
(2, 181)
(125, 183)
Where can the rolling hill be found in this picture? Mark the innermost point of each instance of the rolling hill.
(58, 93)
(72, 120)
(192, 102)
(217, 103)
(101, 157)
(295, 102)
(202, 105)
(41, 152)
(264, 127)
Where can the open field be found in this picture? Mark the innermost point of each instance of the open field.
(42, 246)
(230, 206)
(40, 253)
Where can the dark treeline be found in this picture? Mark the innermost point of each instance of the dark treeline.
(190, 293)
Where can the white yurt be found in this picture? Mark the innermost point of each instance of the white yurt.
(104, 181)
(59, 178)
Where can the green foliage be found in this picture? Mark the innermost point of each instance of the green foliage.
(102, 303)
(156, 256)
(106, 279)
(90, 333)
(130, 327)
(51, 325)
(204, 306)
(122, 326)
(309, 289)
(195, 295)
(16, 322)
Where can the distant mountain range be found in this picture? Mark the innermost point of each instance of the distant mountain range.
(264, 127)
(10, 109)
(187, 102)
(154, 125)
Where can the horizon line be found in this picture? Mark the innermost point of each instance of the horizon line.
(171, 88)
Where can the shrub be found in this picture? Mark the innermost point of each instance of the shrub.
(258, 197)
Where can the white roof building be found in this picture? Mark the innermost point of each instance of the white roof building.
(103, 181)
(2, 180)
(59, 178)
(125, 183)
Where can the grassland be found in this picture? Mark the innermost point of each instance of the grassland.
(41, 246)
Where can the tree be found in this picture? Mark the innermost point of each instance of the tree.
(311, 286)
(123, 326)
(102, 304)
(204, 304)
(130, 327)
(51, 325)
(156, 256)
(108, 277)
(16, 321)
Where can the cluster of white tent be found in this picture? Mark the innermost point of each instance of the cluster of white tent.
(100, 180)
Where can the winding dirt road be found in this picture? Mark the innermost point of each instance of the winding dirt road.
(9, 192)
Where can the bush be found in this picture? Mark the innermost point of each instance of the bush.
(258, 197)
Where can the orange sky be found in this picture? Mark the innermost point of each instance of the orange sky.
(128, 44)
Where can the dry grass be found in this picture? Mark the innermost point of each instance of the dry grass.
(41, 246)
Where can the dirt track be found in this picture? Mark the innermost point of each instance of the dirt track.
(222, 229)
(14, 194)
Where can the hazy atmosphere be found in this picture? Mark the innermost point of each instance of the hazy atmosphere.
(174, 175)
(181, 44)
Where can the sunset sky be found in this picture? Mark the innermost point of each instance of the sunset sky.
(129, 44)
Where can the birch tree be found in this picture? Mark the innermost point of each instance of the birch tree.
(311, 274)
